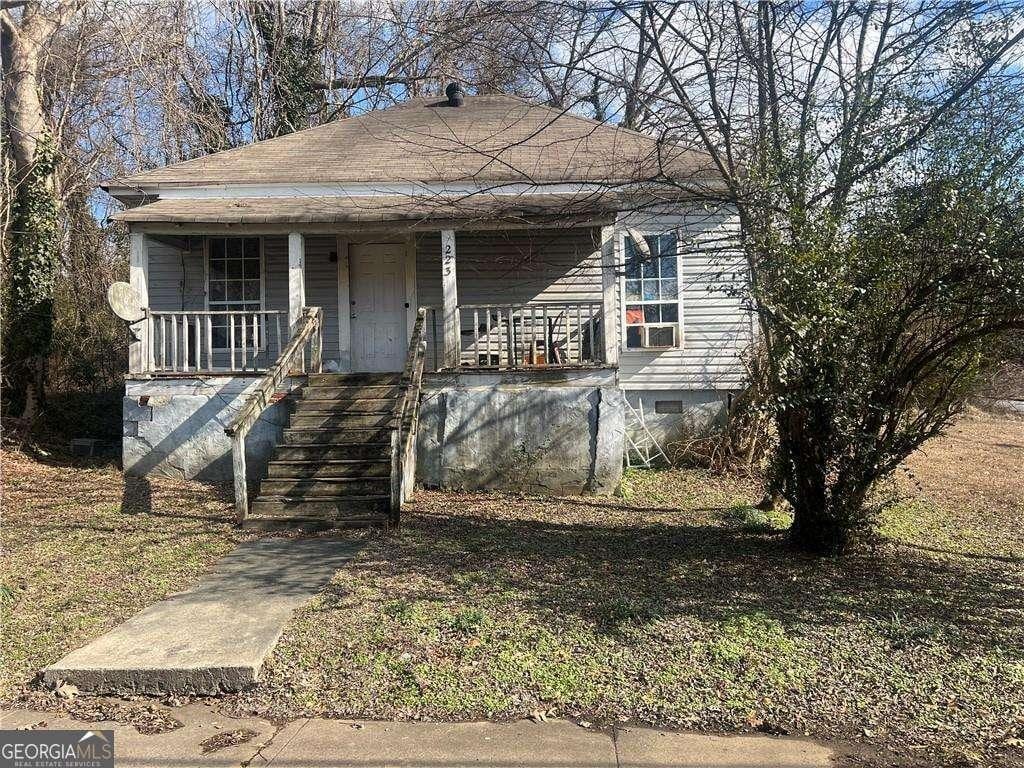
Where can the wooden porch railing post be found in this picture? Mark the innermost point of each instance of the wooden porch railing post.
(209, 342)
(241, 481)
(174, 343)
(396, 470)
(184, 343)
(150, 339)
(511, 331)
(316, 345)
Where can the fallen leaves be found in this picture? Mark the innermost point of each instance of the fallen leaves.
(65, 690)
(670, 612)
(227, 739)
(660, 608)
(542, 715)
(86, 547)
(145, 717)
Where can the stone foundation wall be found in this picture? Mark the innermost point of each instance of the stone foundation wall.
(539, 432)
(175, 427)
(545, 432)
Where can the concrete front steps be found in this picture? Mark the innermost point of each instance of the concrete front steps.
(334, 464)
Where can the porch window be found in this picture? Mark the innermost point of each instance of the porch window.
(652, 293)
(234, 277)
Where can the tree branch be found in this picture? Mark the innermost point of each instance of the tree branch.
(365, 81)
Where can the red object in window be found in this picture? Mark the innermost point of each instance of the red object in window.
(634, 316)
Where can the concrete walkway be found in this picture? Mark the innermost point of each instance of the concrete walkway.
(214, 637)
(311, 743)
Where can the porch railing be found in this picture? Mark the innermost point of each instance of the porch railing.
(308, 338)
(215, 341)
(523, 336)
(406, 418)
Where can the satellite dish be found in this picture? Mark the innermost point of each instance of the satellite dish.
(125, 303)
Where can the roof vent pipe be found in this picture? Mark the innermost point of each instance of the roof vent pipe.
(454, 94)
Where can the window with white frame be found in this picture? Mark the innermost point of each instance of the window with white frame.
(234, 282)
(652, 293)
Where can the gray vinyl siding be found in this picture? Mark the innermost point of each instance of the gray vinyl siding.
(321, 281)
(715, 325)
(275, 266)
(514, 267)
(177, 277)
(322, 287)
(275, 287)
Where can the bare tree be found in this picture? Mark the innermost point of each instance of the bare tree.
(817, 117)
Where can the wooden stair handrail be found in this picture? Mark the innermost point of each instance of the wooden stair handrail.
(405, 418)
(309, 328)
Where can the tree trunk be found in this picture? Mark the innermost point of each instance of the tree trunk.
(820, 526)
(818, 531)
(21, 49)
(33, 244)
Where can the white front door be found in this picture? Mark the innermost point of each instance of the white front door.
(377, 294)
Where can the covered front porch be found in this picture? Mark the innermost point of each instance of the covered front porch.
(500, 336)
(223, 301)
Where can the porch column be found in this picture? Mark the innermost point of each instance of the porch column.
(138, 277)
(609, 296)
(344, 307)
(296, 278)
(450, 301)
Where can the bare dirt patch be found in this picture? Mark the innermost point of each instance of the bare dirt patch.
(975, 476)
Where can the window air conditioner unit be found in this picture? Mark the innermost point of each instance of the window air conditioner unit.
(660, 336)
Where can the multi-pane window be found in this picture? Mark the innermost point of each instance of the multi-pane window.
(652, 293)
(235, 282)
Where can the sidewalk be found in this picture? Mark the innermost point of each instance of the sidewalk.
(313, 743)
(215, 636)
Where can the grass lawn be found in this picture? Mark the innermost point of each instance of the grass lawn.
(679, 604)
(676, 604)
(85, 548)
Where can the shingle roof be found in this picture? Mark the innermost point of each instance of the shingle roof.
(371, 210)
(488, 139)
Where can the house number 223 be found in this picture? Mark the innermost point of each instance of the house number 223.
(449, 258)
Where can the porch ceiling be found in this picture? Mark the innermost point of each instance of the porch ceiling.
(411, 212)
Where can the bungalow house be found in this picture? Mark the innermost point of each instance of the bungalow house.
(475, 292)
